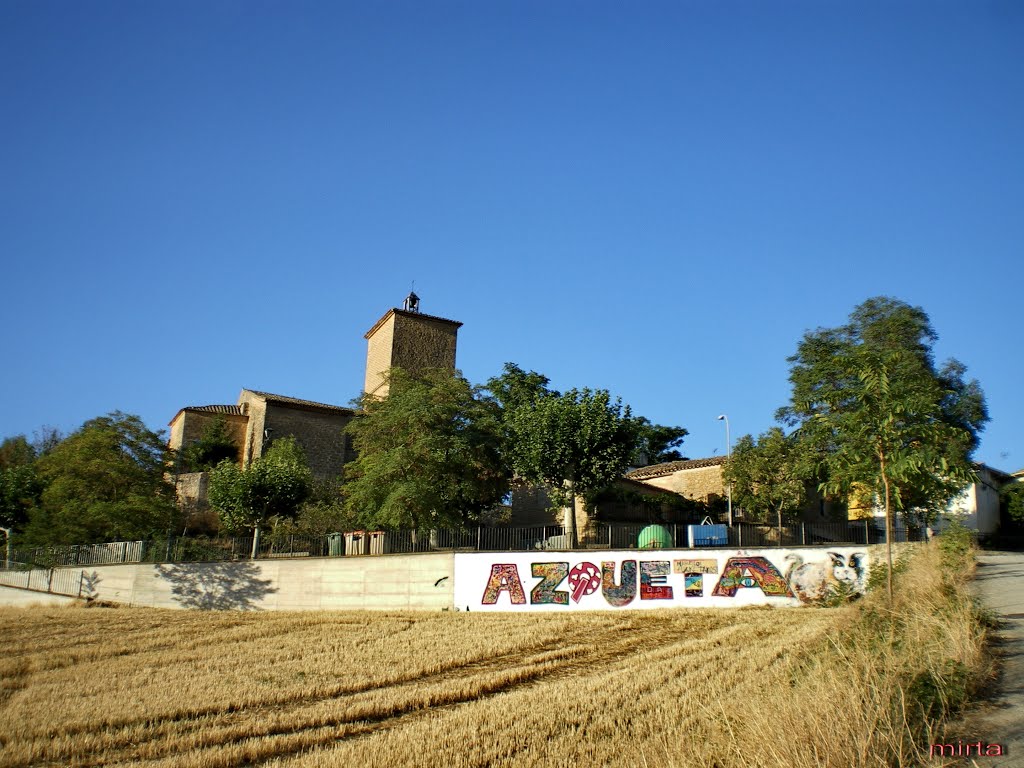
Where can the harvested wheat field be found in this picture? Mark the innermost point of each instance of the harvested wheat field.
(89, 687)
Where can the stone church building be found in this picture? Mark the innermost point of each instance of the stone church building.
(408, 339)
(404, 338)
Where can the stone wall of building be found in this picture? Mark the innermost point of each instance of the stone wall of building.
(255, 408)
(320, 434)
(410, 341)
(422, 342)
(698, 484)
(380, 340)
(188, 427)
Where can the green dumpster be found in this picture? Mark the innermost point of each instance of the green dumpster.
(336, 544)
(654, 537)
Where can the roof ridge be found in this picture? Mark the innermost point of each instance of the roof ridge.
(296, 400)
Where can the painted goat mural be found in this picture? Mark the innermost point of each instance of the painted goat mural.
(654, 578)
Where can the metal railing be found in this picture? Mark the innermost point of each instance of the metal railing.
(54, 581)
(480, 539)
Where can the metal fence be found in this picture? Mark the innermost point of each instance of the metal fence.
(84, 554)
(481, 539)
(55, 581)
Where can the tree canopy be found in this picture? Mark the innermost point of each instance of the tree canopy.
(869, 398)
(20, 486)
(657, 443)
(428, 455)
(273, 486)
(577, 443)
(769, 475)
(868, 395)
(104, 482)
(1013, 495)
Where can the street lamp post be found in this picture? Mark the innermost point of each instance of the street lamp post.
(728, 451)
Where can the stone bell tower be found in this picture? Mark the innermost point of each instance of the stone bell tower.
(405, 338)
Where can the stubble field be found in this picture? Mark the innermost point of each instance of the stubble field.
(144, 687)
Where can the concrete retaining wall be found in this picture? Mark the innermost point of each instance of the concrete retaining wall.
(397, 582)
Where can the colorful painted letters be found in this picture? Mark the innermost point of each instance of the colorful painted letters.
(634, 582)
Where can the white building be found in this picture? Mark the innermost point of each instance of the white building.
(978, 506)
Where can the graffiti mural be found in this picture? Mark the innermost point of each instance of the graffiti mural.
(814, 581)
(504, 578)
(622, 593)
(750, 572)
(717, 578)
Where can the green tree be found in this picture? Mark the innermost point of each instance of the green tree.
(515, 388)
(429, 455)
(105, 482)
(658, 443)
(213, 446)
(868, 397)
(577, 443)
(1013, 496)
(769, 475)
(272, 488)
(20, 486)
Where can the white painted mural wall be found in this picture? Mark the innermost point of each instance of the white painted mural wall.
(490, 581)
(612, 580)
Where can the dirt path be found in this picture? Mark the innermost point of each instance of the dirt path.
(1000, 719)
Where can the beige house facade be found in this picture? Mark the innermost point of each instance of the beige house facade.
(695, 479)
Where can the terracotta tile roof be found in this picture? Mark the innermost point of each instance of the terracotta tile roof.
(272, 398)
(660, 470)
(232, 410)
(228, 410)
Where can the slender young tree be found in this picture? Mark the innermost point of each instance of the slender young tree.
(273, 486)
(868, 397)
(577, 443)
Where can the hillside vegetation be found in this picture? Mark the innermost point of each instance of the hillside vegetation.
(850, 686)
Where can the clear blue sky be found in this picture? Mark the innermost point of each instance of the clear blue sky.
(656, 198)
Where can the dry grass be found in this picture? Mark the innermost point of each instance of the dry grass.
(684, 688)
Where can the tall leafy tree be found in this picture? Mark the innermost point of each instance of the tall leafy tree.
(429, 455)
(516, 388)
(274, 486)
(769, 475)
(20, 486)
(105, 482)
(658, 443)
(869, 398)
(577, 443)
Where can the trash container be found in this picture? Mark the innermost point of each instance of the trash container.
(706, 535)
(336, 544)
(379, 543)
(654, 537)
(356, 543)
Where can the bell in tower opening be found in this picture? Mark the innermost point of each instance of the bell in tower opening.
(412, 303)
